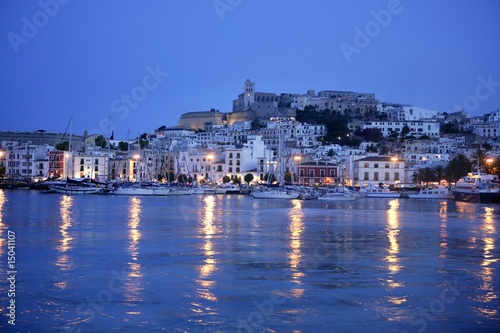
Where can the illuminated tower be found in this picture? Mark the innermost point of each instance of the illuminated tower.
(248, 94)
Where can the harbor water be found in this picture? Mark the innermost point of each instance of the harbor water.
(230, 263)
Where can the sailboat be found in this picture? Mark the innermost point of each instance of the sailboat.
(75, 186)
(280, 192)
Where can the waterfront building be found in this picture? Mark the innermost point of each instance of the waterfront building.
(244, 158)
(27, 161)
(92, 166)
(379, 169)
(318, 173)
(58, 164)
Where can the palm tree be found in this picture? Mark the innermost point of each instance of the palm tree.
(415, 178)
(458, 167)
(424, 175)
(439, 172)
(427, 175)
(479, 159)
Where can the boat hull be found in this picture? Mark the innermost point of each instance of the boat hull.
(133, 191)
(337, 198)
(383, 195)
(275, 194)
(431, 196)
(491, 197)
(75, 190)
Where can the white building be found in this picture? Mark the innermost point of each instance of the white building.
(27, 160)
(379, 169)
(241, 160)
(486, 130)
(94, 166)
(417, 128)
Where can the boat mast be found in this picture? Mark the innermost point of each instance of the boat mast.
(109, 147)
(280, 156)
(69, 146)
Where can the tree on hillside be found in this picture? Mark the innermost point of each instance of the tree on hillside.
(143, 140)
(63, 146)
(123, 145)
(405, 131)
(372, 134)
(100, 141)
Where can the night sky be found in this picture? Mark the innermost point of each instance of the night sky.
(143, 63)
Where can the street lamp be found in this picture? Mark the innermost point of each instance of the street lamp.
(66, 163)
(136, 158)
(210, 158)
(488, 164)
(297, 159)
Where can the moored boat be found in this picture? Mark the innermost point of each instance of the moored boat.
(275, 193)
(133, 189)
(440, 192)
(477, 187)
(379, 192)
(337, 195)
(74, 186)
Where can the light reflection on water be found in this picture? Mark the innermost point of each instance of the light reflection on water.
(392, 259)
(296, 228)
(486, 293)
(206, 232)
(64, 261)
(443, 234)
(133, 285)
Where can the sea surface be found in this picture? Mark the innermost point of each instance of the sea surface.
(219, 263)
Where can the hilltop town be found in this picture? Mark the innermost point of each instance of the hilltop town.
(329, 137)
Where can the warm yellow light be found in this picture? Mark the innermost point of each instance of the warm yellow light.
(297, 158)
(136, 156)
(66, 154)
(394, 159)
(1, 153)
(210, 156)
(489, 160)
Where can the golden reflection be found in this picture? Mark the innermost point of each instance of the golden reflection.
(392, 259)
(465, 207)
(134, 217)
(207, 231)
(3, 200)
(486, 291)
(65, 206)
(133, 286)
(443, 233)
(296, 228)
(64, 262)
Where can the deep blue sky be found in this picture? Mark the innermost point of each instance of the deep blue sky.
(430, 54)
